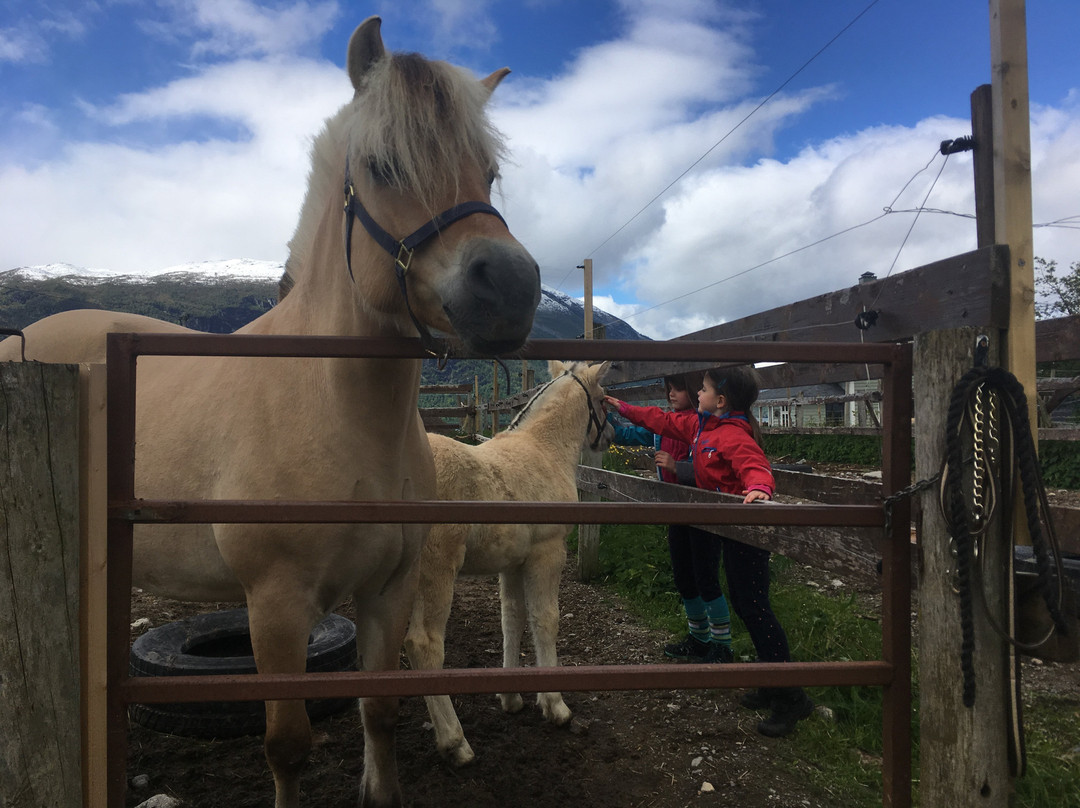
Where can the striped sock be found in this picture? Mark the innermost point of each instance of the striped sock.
(719, 621)
(697, 619)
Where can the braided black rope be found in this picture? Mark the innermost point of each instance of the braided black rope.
(957, 515)
(1011, 393)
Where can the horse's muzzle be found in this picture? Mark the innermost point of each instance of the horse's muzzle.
(493, 302)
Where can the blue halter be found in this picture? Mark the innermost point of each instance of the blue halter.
(402, 251)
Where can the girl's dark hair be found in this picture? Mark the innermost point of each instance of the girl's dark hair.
(740, 386)
(689, 383)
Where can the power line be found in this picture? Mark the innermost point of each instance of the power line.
(733, 129)
(885, 212)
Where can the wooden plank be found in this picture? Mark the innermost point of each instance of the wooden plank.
(448, 389)
(826, 489)
(93, 498)
(1057, 339)
(39, 586)
(962, 749)
(969, 289)
(851, 553)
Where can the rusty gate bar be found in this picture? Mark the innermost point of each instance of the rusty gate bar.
(896, 465)
(148, 511)
(454, 681)
(892, 672)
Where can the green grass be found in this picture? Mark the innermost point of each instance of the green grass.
(842, 758)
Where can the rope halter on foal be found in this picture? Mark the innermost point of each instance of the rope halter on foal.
(402, 251)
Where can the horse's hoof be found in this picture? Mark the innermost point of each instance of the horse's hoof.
(558, 714)
(511, 702)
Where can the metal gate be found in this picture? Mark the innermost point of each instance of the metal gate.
(892, 672)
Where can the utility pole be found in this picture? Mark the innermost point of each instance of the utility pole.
(587, 266)
(1012, 186)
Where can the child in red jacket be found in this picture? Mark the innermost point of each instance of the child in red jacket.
(726, 451)
(695, 553)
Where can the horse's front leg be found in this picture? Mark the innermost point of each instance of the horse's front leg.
(541, 583)
(382, 615)
(279, 634)
(440, 561)
(512, 603)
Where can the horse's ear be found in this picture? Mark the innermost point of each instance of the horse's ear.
(599, 371)
(556, 368)
(365, 49)
(492, 81)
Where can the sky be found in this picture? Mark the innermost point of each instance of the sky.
(713, 159)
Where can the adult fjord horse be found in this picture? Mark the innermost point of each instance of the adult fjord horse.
(413, 141)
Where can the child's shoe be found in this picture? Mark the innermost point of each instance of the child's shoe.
(690, 649)
(717, 652)
(789, 706)
(758, 699)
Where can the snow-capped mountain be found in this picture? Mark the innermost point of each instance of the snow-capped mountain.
(558, 316)
(202, 270)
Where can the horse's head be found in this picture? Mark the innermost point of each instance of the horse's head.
(421, 160)
(588, 378)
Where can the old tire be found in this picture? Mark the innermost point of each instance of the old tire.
(219, 643)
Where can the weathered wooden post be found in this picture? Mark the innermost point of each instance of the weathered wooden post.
(39, 586)
(589, 535)
(494, 398)
(963, 753)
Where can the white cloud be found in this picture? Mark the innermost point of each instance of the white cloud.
(138, 208)
(245, 28)
(591, 147)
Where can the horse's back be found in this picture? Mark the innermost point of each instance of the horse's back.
(79, 335)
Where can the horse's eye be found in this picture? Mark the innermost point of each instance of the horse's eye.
(381, 172)
(492, 176)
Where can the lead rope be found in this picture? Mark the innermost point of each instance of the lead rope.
(974, 414)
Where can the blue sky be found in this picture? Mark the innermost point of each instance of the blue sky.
(148, 133)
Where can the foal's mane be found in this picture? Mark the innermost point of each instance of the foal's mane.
(538, 400)
(419, 122)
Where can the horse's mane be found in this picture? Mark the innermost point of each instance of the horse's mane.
(418, 121)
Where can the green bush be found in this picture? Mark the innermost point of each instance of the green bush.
(863, 450)
(1060, 460)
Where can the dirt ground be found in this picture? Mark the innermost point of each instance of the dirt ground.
(622, 750)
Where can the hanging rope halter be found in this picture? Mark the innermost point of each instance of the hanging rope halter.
(980, 392)
(402, 251)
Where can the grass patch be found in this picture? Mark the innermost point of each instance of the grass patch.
(841, 758)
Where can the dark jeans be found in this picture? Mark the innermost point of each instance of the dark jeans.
(748, 591)
(695, 562)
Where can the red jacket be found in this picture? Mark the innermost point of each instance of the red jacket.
(726, 456)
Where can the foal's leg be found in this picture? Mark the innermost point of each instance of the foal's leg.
(441, 559)
(542, 573)
(279, 641)
(512, 601)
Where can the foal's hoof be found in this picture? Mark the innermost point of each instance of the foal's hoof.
(511, 702)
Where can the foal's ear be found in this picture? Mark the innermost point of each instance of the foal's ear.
(365, 49)
(556, 368)
(599, 371)
(492, 81)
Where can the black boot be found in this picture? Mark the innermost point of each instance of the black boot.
(789, 706)
(759, 699)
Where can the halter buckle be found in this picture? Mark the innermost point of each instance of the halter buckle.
(349, 194)
(404, 251)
